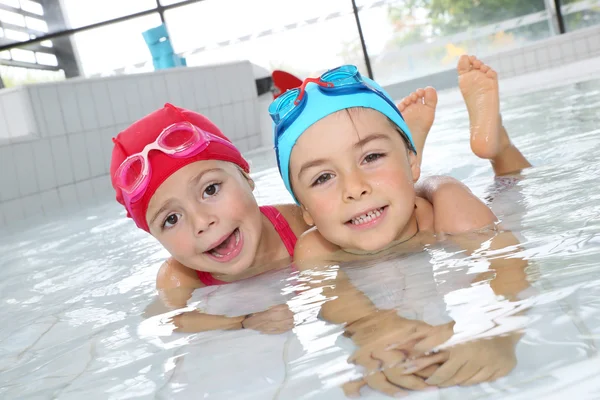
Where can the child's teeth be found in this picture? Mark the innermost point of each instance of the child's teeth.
(368, 217)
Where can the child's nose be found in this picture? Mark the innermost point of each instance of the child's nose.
(203, 222)
(355, 187)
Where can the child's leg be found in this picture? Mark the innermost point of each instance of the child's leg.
(489, 139)
(418, 110)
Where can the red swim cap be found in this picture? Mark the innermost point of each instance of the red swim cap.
(133, 140)
(284, 81)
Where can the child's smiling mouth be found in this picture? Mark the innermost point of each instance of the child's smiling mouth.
(227, 248)
(368, 218)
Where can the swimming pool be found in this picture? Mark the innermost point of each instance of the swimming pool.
(80, 318)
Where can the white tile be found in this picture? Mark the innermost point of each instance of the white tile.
(159, 88)
(216, 116)
(228, 124)
(70, 110)
(85, 193)
(542, 57)
(102, 103)
(9, 183)
(239, 120)
(148, 102)
(530, 61)
(593, 45)
(79, 157)
(96, 158)
(568, 51)
(212, 87)
(44, 164)
(62, 160)
(68, 196)
(50, 201)
(251, 112)
(255, 142)
(32, 205)
(581, 48)
(173, 88)
(518, 62)
(17, 112)
(102, 187)
(26, 173)
(247, 82)
(554, 53)
(198, 86)
(87, 106)
(4, 132)
(225, 77)
(117, 101)
(53, 117)
(13, 211)
(188, 99)
(243, 145)
(106, 143)
(132, 97)
(37, 108)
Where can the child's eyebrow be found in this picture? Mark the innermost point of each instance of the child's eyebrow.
(370, 138)
(166, 205)
(311, 164)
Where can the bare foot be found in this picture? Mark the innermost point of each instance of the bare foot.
(418, 110)
(479, 86)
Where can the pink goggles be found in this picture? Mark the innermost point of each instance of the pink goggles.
(180, 140)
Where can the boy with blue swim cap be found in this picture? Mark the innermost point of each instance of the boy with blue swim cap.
(348, 157)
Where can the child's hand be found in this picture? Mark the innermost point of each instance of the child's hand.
(275, 320)
(385, 343)
(470, 363)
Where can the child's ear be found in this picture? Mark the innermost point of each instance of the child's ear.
(306, 216)
(415, 168)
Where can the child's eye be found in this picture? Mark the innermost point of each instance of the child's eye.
(322, 179)
(211, 190)
(373, 157)
(171, 220)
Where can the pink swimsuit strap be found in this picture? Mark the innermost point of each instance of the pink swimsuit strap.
(281, 226)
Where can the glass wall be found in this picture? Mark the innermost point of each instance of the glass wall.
(304, 38)
(57, 39)
(579, 14)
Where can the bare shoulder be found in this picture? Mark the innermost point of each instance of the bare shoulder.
(312, 246)
(457, 210)
(173, 274)
(424, 212)
(293, 216)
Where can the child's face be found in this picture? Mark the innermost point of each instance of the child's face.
(206, 216)
(354, 177)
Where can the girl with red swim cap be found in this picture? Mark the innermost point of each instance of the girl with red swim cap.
(182, 181)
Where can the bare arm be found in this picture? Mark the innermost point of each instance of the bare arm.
(456, 209)
(176, 283)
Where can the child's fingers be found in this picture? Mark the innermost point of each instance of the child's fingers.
(445, 372)
(379, 382)
(502, 373)
(466, 372)
(352, 388)
(421, 363)
(427, 372)
(411, 382)
(390, 358)
(484, 375)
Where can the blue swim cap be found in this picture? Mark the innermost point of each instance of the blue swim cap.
(320, 104)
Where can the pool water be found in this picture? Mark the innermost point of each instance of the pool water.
(81, 318)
